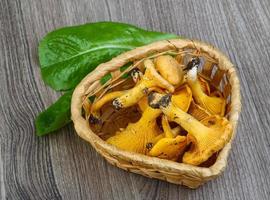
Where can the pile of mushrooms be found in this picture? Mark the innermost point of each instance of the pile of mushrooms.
(192, 124)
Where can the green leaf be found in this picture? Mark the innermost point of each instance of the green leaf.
(123, 68)
(68, 54)
(92, 98)
(125, 76)
(54, 117)
(105, 78)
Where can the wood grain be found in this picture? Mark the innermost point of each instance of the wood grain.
(62, 166)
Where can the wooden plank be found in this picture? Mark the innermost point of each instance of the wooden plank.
(62, 166)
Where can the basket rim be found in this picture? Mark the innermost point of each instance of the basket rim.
(90, 81)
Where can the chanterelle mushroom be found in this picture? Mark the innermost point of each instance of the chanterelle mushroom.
(197, 111)
(136, 135)
(169, 69)
(182, 97)
(207, 138)
(205, 142)
(214, 105)
(151, 78)
(168, 147)
(204, 85)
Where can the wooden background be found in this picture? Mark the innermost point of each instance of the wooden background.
(62, 166)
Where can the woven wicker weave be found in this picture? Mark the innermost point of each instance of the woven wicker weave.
(221, 75)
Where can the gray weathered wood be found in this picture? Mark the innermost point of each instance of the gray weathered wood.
(62, 166)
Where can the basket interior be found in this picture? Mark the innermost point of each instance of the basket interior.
(120, 80)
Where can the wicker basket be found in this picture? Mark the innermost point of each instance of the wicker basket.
(220, 72)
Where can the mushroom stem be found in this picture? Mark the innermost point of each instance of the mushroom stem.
(150, 79)
(96, 106)
(194, 83)
(166, 127)
(176, 131)
(149, 115)
(136, 75)
(215, 105)
(105, 99)
(132, 97)
(189, 123)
